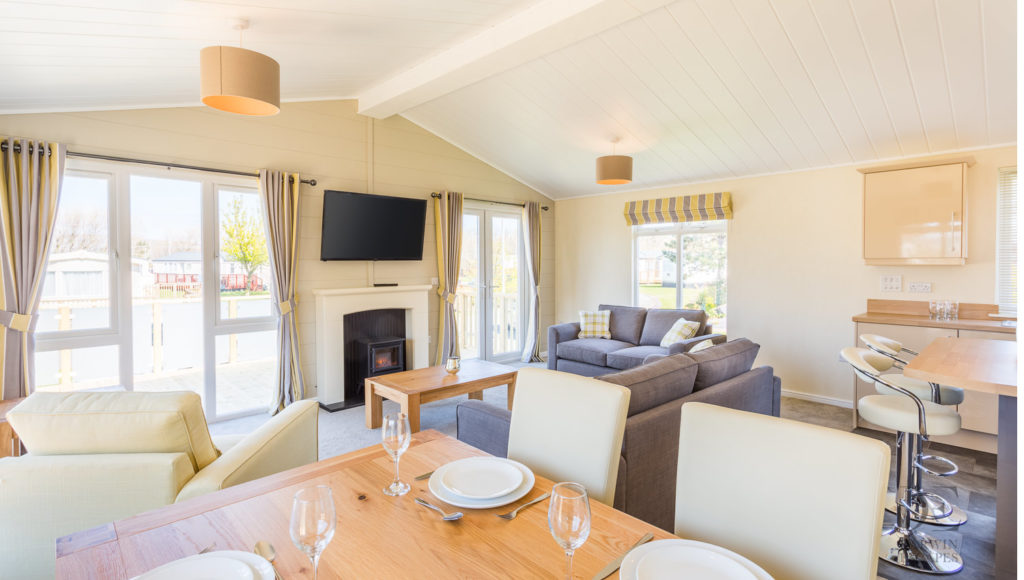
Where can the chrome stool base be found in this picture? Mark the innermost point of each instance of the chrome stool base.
(918, 551)
(923, 505)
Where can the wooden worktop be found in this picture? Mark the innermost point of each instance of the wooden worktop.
(987, 366)
(915, 313)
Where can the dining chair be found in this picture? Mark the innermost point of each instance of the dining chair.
(913, 420)
(923, 508)
(803, 502)
(566, 427)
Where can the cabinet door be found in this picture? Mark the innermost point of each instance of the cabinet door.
(914, 214)
(980, 411)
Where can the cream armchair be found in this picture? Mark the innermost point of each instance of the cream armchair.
(98, 457)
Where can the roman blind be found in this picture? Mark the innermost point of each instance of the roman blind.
(687, 208)
(1006, 241)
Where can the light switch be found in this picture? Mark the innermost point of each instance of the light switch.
(891, 283)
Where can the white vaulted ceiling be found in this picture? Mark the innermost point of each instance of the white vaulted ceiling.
(694, 89)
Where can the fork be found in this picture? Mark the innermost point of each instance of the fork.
(448, 517)
(209, 548)
(512, 514)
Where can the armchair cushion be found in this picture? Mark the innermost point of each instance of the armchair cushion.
(660, 320)
(114, 422)
(656, 383)
(628, 358)
(627, 322)
(287, 440)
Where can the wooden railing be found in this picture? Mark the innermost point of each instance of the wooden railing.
(505, 322)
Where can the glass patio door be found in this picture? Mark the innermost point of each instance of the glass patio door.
(489, 305)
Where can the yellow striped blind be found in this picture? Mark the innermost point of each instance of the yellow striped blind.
(688, 208)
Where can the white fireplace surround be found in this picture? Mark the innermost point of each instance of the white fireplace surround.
(332, 306)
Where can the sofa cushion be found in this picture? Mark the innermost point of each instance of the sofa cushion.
(590, 350)
(659, 321)
(656, 383)
(115, 422)
(634, 356)
(627, 322)
(681, 330)
(723, 362)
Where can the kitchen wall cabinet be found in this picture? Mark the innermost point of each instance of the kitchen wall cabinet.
(916, 216)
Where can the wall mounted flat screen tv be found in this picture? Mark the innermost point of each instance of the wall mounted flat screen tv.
(360, 226)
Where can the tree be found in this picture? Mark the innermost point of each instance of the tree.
(80, 231)
(243, 241)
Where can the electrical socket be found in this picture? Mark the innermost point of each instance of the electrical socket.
(923, 287)
(892, 283)
(434, 281)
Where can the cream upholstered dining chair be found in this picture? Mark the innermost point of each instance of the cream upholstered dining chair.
(803, 502)
(98, 457)
(569, 428)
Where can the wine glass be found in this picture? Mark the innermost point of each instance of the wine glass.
(395, 438)
(313, 521)
(569, 518)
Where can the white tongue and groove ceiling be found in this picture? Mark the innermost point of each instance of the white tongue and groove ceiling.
(695, 90)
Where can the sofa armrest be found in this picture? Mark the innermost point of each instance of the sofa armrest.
(777, 396)
(754, 391)
(483, 426)
(560, 333)
(686, 345)
(287, 440)
(45, 497)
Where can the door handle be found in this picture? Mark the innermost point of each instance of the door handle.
(952, 231)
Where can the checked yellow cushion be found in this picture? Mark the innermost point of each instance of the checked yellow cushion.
(681, 330)
(595, 324)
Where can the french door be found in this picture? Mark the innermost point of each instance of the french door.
(490, 296)
(158, 281)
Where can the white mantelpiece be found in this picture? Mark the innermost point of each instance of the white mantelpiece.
(331, 308)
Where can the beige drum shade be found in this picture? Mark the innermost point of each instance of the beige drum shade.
(240, 81)
(614, 169)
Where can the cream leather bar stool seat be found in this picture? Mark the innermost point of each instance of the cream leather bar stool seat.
(886, 346)
(913, 420)
(925, 510)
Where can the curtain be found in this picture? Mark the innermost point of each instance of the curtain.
(30, 181)
(448, 230)
(531, 219)
(688, 208)
(279, 192)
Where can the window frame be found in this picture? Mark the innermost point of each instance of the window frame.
(678, 230)
(119, 333)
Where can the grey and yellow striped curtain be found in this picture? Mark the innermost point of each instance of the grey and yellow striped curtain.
(687, 208)
(30, 179)
(448, 231)
(531, 221)
(279, 194)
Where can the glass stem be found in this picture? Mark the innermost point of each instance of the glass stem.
(397, 478)
(316, 564)
(568, 565)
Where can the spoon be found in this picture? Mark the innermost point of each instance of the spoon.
(267, 551)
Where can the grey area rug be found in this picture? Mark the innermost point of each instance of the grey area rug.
(345, 431)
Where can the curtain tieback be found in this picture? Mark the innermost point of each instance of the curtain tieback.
(447, 295)
(287, 306)
(17, 321)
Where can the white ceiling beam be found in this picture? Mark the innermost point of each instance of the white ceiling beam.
(541, 29)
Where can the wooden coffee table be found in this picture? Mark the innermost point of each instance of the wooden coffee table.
(410, 389)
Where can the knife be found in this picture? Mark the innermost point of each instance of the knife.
(614, 565)
(424, 476)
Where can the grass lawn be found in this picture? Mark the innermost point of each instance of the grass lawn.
(665, 296)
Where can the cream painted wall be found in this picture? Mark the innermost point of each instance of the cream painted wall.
(326, 140)
(796, 275)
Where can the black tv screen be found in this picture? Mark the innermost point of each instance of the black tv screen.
(360, 226)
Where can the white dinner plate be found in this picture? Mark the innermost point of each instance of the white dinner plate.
(481, 477)
(222, 565)
(633, 567)
(438, 489)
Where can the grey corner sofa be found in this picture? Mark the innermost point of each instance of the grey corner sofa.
(636, 335)
(646, 484)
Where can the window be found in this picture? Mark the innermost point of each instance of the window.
(1006, 241)
(159, 280)
(682, 266)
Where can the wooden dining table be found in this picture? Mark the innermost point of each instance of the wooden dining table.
(985, 366)
(377, 536)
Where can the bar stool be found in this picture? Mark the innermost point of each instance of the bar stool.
(925, 510)
(912, 419)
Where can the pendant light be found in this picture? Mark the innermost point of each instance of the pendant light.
(240, 81)
(614, 169)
